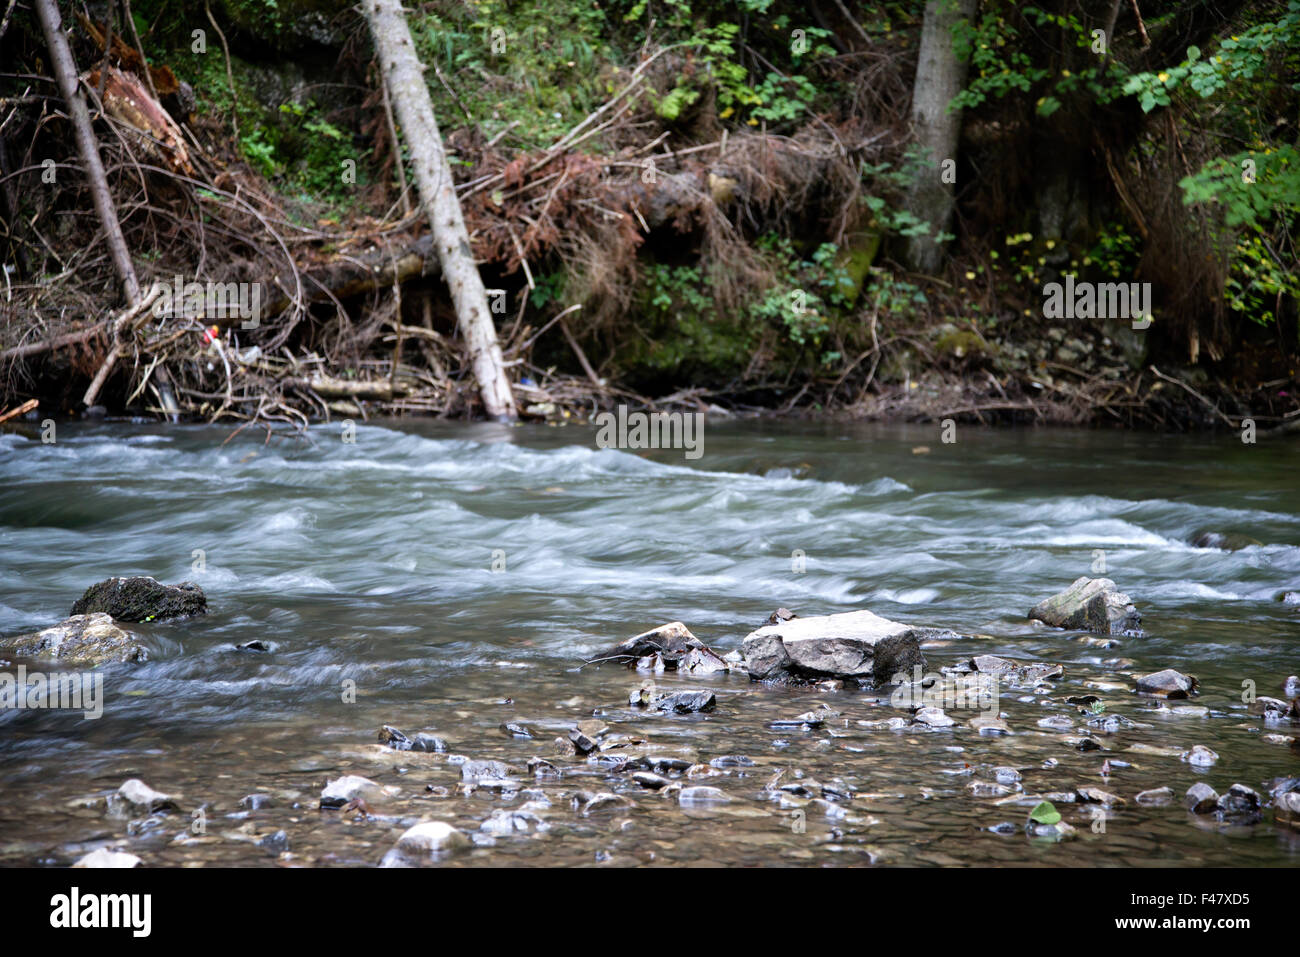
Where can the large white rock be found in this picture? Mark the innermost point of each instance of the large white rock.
(103, 857)
(430, 837)
(856, 644)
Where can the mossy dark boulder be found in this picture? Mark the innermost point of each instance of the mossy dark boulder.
(142, 599)
(1224, 541)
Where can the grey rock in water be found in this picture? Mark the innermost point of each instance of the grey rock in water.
(430, 838)
(686, 702)
(103, 857)
(1273, 709)
(1286, 809)
(933, 718)
(1289, 598)
(350, 787)
(1168, 684)
(1200, 756)
(1090, 604)
(1240, 805)
(1201, 798)
(1156, 797)
(484, 771)
(82, 639)
(834, 646)
(276, 843)
(701, 661)
(668, 643)
(648, 779)
(1009, 673)
(135, 797)
(428, 742)
(398, 741)
(1224, 541)
(142, 599)
(702, 794)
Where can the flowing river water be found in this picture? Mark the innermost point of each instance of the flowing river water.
(458, 575)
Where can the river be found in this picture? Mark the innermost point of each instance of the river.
(459, 574)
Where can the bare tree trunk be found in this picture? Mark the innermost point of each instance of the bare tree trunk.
(940, 76)
(403, 74)
(65, 71)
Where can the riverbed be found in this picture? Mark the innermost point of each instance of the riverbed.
(452, 578)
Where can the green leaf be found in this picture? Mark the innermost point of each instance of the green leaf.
(1045, 813)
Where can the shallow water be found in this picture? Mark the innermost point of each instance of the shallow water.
(373, 563)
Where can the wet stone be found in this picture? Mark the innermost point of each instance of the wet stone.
(1286, 809)
(102, 857)
(1091, 795)
(430, 838)
(1090, 604)
(732, 761)
(515, 730)
(702, 794)
(589, 802)
(141, 599)
(1156, 797)
(1200, 756)
(933, 718)
(1240, 803)
(89, 640)
(1168, 684)
(135, 797)
(350, 787)
(989, 725)
(1056, 722)
(686, 702)
(648, 779)
(428, 742)
(1201, 798)
(484, 770)
(276, 843)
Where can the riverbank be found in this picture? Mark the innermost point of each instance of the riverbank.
(688, 213)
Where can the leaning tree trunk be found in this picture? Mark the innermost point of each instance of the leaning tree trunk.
(404, 75)
(65, 71)
(940, 75)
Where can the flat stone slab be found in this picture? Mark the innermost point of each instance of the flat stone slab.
(82, 639)
(833, 646)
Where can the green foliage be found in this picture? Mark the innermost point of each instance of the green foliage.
(999, 63)
(1239, 60)
(1045, 812)
(1251, 186)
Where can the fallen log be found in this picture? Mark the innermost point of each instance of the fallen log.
(351, 274)
(330, 388)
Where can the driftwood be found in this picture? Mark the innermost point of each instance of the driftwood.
(351, 274)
